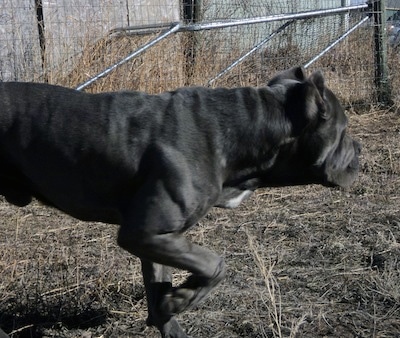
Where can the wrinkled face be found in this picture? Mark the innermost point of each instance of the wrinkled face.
(336, 154)
(323, 151)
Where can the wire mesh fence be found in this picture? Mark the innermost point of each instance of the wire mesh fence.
(67, 42)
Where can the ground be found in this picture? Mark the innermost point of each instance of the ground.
(302, 262)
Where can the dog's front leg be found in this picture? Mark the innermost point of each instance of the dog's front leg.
(174, 250)
(158, 282)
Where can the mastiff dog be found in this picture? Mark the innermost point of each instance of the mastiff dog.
(156, 164)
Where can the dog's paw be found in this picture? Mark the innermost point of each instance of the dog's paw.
(191, 292)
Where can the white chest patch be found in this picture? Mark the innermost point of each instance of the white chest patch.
(235, 201)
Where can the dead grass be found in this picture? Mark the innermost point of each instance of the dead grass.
(158, 75)
(303, 262)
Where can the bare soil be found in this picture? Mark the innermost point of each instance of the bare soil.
(302, 262)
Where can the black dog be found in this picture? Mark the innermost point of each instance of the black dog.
(156, 164)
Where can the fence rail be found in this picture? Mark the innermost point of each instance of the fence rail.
(159, 45)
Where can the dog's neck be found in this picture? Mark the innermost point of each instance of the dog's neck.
(252, 140)
(263, 124)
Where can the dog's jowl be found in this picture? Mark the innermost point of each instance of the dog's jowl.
(156, 164)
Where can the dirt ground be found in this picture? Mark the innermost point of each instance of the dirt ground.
(302, 262)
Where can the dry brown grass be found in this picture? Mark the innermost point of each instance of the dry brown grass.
(303, 262)
(164, 71)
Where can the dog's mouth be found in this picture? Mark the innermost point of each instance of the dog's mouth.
(345, 164)
(354, 162)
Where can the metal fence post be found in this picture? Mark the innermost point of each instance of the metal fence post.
(382, 84)
(191, 15)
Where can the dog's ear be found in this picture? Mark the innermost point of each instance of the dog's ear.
(318, 79)
(294, 73)
(315, 96)
(298, 73)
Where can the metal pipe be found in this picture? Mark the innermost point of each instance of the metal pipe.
(270, 18)
(251, 51)
(333, 44)
(148, 27)
(262, 19)
(162, 36)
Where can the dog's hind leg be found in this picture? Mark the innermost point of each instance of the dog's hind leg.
(158, 282)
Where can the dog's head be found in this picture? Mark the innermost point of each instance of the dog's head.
(321, 150)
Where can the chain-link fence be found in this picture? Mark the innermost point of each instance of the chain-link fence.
(217, 43)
